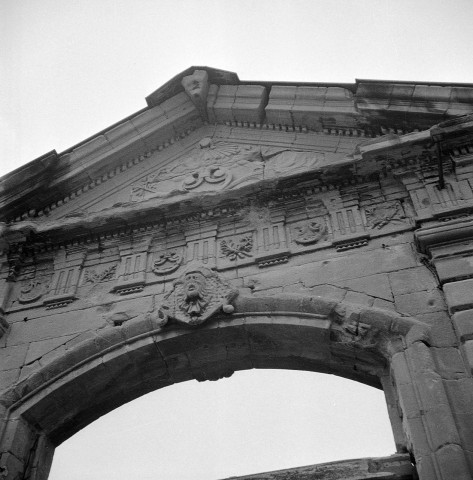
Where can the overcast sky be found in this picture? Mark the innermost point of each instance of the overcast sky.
(71, 68)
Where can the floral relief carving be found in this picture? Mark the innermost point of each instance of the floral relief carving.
(309, 232)
(94, 276)
(378, 216)
(167, 262)
(237, 249)
(197, 295)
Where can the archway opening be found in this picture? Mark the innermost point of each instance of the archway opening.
(257, 420)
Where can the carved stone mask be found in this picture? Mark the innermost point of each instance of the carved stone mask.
(194, 283)
(196, 85)
(197, 295)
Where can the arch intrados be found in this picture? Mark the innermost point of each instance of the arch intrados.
(125, 362)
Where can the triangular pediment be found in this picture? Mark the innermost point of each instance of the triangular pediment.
(208, 163)
(206, 131)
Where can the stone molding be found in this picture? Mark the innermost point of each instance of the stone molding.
(321, 181)
(331, 334)
(395, 467)
(353, 108)
(336, 319)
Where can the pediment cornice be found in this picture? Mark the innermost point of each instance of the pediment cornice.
(381, 116)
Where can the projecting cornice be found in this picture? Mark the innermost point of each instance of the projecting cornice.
(383, 115)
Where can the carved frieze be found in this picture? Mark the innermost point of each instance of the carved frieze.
(211, 166)
(197, 295)
(309, 232)
(32, 283)
(271, 243)
(384, 214)
(67, 268)
(31, 290)
(237, 248)
(92, 275)
(282, 162)
(131, 273)
(167, 262)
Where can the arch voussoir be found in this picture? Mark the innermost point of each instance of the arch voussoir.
(119, 363)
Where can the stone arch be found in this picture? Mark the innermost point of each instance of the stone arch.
(381, 348)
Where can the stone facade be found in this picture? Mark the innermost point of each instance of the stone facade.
(234, 225)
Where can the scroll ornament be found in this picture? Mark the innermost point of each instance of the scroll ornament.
(210, 166)
(167, 262)
(32, 289)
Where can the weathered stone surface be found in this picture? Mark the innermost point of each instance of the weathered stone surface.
(397, 467)
(458, 295)
(322, 230)
(38, 349)
(54, 326)
(420, 302)
(13, 356)
(411, 280)
(463, 322)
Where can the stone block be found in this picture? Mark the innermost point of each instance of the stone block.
(462, 95)
(11, 467)
(280, 102)
(459, 295)
(249, 102)
(13, 357)
(28, 370)
(43, 458)
(383, 304)
(469, 458)
(19, 438)
(377, 286)
(8, 377)
(453, 268)
(412, 280)
(420, 302)
(48, 357)
(400, 369)
(38, 349)
(124, 133)
(326, 291)
(117, 313)
(468, 349)
(358, 298)
(441, 426)
(54, 326)
(429, 386)
(308, 105)
(463, 322)
(211, 97)
(425, 466)
(149, 119)
(452, 462)
(465, 429)
(441, 333)
(408, 401)
(89, 150)
(416, 436)
(460, 394)
(449, 363)
(222, 106)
